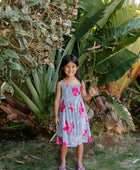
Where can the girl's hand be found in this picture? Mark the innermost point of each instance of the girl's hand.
(92, 91)
(56, 121)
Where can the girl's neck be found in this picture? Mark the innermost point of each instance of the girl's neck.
(70, 78)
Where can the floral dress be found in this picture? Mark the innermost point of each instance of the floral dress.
(74, 127)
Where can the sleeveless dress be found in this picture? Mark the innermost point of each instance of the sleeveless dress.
(74, 127)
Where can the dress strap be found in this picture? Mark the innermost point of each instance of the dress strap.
(62, 82)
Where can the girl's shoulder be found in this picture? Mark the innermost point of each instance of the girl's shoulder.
(59, 84)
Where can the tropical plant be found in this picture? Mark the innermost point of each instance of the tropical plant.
(115, 35)
(114, 28)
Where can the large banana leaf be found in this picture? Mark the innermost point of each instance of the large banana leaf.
(93, 11)
(114, 33)
(108, 11)
(115, 65)
(118, 86)
(123, 16)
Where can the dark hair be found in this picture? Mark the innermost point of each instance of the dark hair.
(66, 59)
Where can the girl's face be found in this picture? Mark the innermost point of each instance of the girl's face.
(70, 69)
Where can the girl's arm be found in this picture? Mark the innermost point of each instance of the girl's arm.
(86, 97)
(57, 102)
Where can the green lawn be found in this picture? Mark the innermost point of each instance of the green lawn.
(108, 151)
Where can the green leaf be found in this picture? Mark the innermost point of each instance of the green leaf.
(3, 42)
(22, 32)
(34, 2)
(3, 57)
(82, 58)
(37, 83)
(38, 31)
(20, 40)
(25, 9)
(137, 85)
(123, 16)
(17, 126)
(35, 95)
(28, 101)
(115, 65)
(108, 11)
(92, 13)
(11, 53)
(15, 66)
(121, 112)
(138, 99)
(50, 72)
(2, 64)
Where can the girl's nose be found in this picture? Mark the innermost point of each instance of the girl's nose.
(70, 68)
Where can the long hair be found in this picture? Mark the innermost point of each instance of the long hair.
(66, 59)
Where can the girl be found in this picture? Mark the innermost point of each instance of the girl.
(72, 122)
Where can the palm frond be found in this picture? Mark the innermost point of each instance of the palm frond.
(123, 113)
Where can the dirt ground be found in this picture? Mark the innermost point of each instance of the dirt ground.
(108, 151)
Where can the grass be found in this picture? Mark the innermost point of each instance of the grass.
(108, 151)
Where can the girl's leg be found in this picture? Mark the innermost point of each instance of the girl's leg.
(80, 149)
(63, 151)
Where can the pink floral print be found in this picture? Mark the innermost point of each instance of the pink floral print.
(85, 132)
(65, 144)
(59, 140)
(79, 91)
(81, 109)
(89, 139)
(86, 119)
(74, 90)
(68, 128)
(62, 106)
(71, 107)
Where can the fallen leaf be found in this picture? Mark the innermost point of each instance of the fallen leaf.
(128, 154)
(20, 162)
(25, 157)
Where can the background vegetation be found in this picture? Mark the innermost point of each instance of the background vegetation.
(35, 35)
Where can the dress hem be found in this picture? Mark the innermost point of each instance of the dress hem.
(71, 146)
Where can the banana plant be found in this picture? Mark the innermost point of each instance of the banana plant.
(115, 35)
(115, 28)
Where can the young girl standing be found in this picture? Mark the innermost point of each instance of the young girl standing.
(72, 122)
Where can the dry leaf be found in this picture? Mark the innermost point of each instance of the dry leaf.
(128, 154)
(20, 162)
